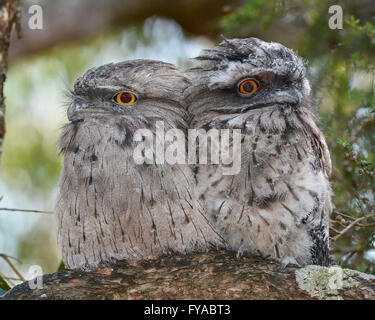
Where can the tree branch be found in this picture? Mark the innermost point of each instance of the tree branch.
(352, 225)
(215, 275)
(26, 210)
(7, 260)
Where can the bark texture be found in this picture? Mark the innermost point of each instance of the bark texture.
(214, 275)
(10, 11)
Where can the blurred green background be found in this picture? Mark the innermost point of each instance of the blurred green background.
(341, 66)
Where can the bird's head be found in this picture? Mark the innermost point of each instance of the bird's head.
(134, 89)
(247, 76)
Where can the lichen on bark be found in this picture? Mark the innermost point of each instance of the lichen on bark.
(328, 282)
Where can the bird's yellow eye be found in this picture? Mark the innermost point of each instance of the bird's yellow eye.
(125, 98)
(248, 86)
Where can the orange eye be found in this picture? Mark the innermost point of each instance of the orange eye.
(248, 86)
(125, 98)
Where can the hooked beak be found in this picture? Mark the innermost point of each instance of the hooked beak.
(291, 96)
(74, 108)
(78, 108)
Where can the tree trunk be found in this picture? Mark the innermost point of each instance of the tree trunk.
(10, 11)
(215, 275)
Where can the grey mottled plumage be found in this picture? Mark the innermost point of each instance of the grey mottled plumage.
(278, 206)
(110, 208)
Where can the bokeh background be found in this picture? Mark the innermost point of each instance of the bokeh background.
(79, 34)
